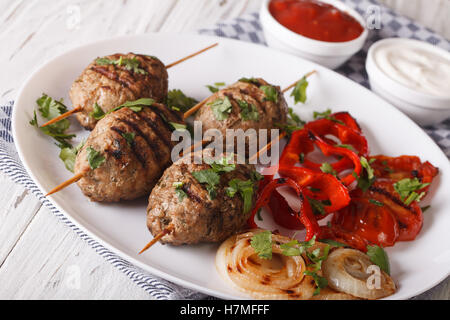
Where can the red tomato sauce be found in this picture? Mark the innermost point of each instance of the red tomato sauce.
(316, 20)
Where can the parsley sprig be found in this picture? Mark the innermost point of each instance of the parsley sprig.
(245, 189)
(271, 93)
(299, 92)
(50, 108)
(367, 177)
(179, 191)
(379, 257)
(262, 244)
(94, 158)
(216, 87)
(326, 115)
(69, 155)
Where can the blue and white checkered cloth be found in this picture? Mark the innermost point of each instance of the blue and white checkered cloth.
(246, 28)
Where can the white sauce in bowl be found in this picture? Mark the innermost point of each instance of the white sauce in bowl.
(415, 66)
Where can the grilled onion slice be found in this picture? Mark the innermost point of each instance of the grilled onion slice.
(346, 271)
(279, 278)
(330, 294)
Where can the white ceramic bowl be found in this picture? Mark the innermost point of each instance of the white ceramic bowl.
(425, 109)
(328, 54)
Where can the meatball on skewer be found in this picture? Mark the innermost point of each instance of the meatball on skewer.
(195, 210)
(112, 80)
(126, 153)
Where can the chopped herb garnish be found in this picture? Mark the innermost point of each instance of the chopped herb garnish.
(256, 176)
(136, 105)
(129, 64)
(248, 111)
(216, 87)
(94, 158)
(376, 202)
(317, 206)
(210, 178)
(178, 126)
(179, 191)
(271, 93)
(294, 123)
(97, 113)
(379, 257)
(221, 108)
(367, 177)
(299, 92)
(327, 168)
(177, 100)
(129, 137)
(69, 155)
(250, 80)
(326, 115)
(245, 189)
(407, 188)
(346, 146)
(262, 244)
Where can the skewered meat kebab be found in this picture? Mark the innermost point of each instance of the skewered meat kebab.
(197, 215)
(110, 81)
(98, 186)
(136, 147)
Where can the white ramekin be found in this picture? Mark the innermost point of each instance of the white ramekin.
(425, 109)
(328, 54)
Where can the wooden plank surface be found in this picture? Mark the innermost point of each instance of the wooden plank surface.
(40, 258)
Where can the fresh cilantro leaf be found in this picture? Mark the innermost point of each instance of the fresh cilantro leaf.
(222, 165)
(262, 244)
(49, 109)
(177, 100)
(294, 123)
(221, 108)
(136, 105)
(327, 168)
(210, 178)
(129, 64)
(407, 188)
(248, 111)
(379, 257)
(94, 158)
(129, 137)
(215, 87)
(299, 92)
(256, 176)
(317, 206)
(346, 146)
(178, 126)
(245, 189)
(271, 93)
(321, 282)
(179, 191)
(250, 80)
(326, 115)
(69, 155)
(367, 177)
(97, 113)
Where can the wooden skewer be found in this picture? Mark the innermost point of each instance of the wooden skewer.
(267, 147)
(191, 56)
(295, 83)
(167, 230)
(74, 179)
(63, 116)
(78, 109)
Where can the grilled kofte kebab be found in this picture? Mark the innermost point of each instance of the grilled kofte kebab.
(110, 81)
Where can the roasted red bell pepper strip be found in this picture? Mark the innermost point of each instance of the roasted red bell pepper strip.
(305, 215)
(336, 233)
(329, 187)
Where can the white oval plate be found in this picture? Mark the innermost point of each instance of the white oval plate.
(416, 266)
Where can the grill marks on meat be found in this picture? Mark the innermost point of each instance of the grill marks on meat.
(110, 85)
(131, 168)
(196, 218)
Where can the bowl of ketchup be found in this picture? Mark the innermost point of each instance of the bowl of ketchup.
(327, 31)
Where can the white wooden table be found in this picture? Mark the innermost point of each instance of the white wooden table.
(40, 258)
